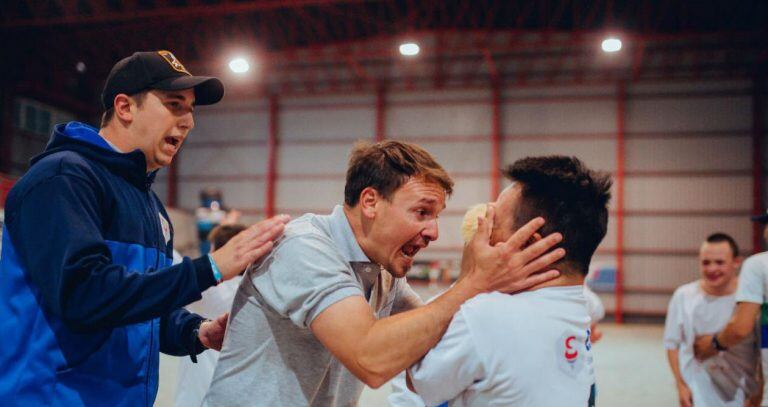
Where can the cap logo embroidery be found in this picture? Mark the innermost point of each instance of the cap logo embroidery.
(173, 61)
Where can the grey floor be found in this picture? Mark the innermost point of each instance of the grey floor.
(630, 364)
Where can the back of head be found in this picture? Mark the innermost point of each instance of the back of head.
(387, 165)
(571, 198)
(220, 235)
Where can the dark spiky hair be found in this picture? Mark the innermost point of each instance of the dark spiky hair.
(571, 198)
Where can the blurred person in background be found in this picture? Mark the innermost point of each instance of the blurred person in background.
(194, 380)
(751, 298)
(702, 307)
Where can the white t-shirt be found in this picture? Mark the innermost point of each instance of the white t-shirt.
(195, 378)
(724, 379)
(502, 350)
(595, 307)
(753, 287)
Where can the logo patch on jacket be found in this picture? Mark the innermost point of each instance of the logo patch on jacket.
(166, 228)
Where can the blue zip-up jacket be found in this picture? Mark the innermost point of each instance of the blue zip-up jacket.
(88, 298)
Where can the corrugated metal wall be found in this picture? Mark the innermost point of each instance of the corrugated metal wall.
(687, 160)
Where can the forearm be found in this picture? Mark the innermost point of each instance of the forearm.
(674, 365)
(392, 344)
(176, 333)
(741, 324)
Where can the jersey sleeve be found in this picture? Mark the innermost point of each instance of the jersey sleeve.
(450, 367)
(673, 325)
(752, 282)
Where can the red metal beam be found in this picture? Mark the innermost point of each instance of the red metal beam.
(758, 135)
(272, 145)
(381, 114)
(621, 96)
(495, 141)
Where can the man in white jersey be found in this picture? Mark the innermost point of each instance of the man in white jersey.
(750, 298)
(701, 307)
(532, 348)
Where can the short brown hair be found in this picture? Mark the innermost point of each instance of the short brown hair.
(108, 114)
(220, 235)
(387, 165)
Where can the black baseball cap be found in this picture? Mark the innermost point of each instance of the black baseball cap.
(158, 70)
(761, 218)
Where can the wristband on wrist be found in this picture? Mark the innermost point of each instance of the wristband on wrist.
(216, 273)
(717, 344)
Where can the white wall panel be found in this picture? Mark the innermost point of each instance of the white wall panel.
(646, 303)
(596, 154)
(461, 157)
(314, 158)
(438, 120)
(449, 227)
(310, 194)
(682, 233)
(583, 117)
(691, 193)
(688, 114)
(468, 191)
(721, 153)
(660, 271)
(225, 125)
(223, 161)
(318, 124)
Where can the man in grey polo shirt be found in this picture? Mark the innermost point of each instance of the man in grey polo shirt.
(311, 324)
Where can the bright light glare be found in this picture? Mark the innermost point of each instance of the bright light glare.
(409, 49)
(239, 65)
(611, 45)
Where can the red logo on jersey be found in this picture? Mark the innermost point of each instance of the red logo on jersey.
(570, 353)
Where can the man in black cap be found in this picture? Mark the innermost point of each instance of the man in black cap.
(751, 301)
(88, 296)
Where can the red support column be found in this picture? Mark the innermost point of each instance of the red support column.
(621, 97)
(758, 132)
(495, 141)
(381, 114)
(272, 143)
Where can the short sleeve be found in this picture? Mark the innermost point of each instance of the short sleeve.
(450, 367)
(304, 275)
(673, 329)
(595, 307)
(752, 282)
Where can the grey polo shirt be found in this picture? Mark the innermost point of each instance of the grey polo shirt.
(270, 356)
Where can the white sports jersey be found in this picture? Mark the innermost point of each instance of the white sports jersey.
(528, 349)
(724, 379)
(753, 287)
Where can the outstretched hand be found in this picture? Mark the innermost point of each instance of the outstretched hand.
(510, 266)
(249, 246)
